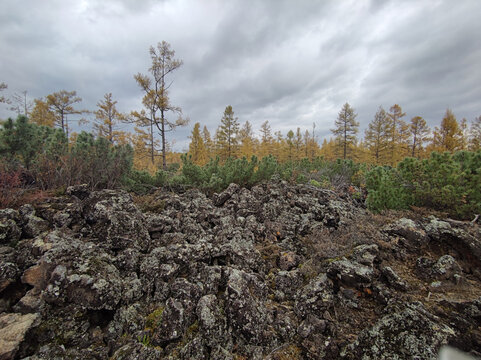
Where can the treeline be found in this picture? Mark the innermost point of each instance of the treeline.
(387, 140)
(39, 157)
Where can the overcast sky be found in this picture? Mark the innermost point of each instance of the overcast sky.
(293, 63)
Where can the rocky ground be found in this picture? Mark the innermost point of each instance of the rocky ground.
(275, 272)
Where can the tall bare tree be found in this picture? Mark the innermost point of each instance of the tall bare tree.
(3, 99)
(21, 104)
(156, 98)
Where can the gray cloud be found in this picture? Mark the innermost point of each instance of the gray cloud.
(291, 64)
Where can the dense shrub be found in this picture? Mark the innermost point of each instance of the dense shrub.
(42, 154)
(386, 190)
(446, 182)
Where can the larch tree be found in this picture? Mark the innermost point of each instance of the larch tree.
(419, 135)
(399, 139)
(266, 145)
(247, 142)
(290, 144)
(107, 119)
(156, 99)
(298, 144)
(208, 143)
(197, 147)
(62, 104)
(279, 146)
(41, 113)
(377, 135)
(463, 126)
(448, 137)
(227, 134)
(475, 134)
(346, 129)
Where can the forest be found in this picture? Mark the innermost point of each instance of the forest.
(397, 164)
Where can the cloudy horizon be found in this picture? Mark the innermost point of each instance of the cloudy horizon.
(293, 64)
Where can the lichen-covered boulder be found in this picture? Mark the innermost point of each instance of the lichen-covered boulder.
(10, 232)
(409, 332)
(351, 273)
(9, 271)
(245, 307)
(446, 267)
(315, 298)
(115, 220)
(32, 225)
(212, 321)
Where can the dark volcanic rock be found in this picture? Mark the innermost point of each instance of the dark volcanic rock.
(278, 271)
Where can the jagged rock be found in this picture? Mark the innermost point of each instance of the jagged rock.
(409, 230)
(245, 308)
(243, 274)
(31, 302)
(393, 279)
(446, 267)
(13, 329)
(81, 191)
(9, 271)
(311, 325)
(32, 225)
(174, 322)
(287, 283)
(315, 298)
(350, 273)
(10, 232)
(137, 351)
(116, 221)
(410, 332)
(365, 254)
(220, 199)
(212, 322)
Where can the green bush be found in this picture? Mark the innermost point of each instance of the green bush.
(386, 190)
(446, 182)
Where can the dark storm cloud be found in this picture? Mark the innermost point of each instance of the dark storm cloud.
(290, 63)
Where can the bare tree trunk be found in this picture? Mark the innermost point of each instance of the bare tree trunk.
(164, 161)
(152, 141)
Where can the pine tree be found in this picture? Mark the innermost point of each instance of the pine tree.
(197, 147)
(419, 134)
(448, 137)
(377, 136)
(346, 129)
(226, 137)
